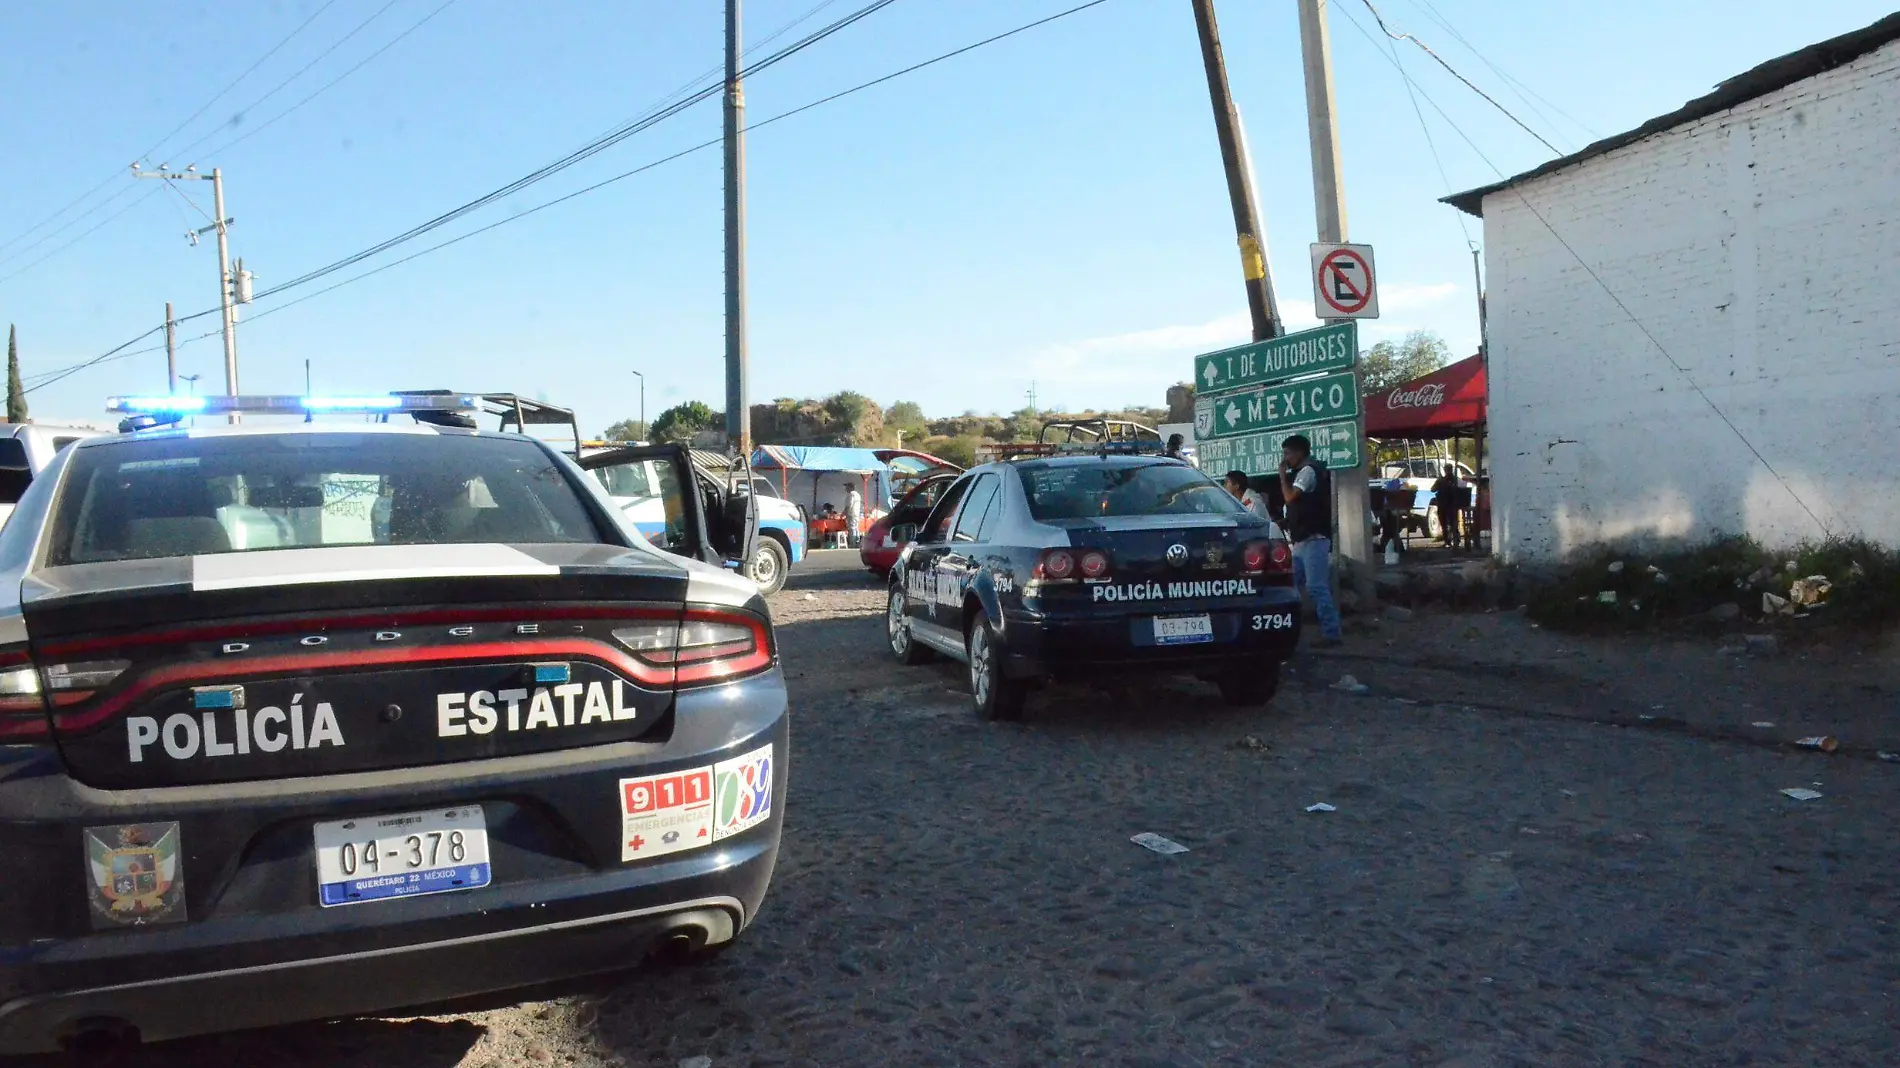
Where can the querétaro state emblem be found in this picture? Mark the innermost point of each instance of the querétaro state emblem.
(743, 792)
(135, 875)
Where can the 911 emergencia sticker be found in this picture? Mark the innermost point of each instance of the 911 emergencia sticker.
(662, 814)
(743, 790)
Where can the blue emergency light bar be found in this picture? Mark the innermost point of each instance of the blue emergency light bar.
(294, 405)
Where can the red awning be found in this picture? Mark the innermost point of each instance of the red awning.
(1447, 402)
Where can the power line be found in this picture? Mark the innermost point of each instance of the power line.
(78, 238)
(1527, 94)
(327, 86)
(1614, 298)
(116, 175)
(279, 87)
(115, 354)
(235, 82)
(1380, 19)
(67, 225)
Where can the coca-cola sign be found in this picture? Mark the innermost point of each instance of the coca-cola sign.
(1429, 395)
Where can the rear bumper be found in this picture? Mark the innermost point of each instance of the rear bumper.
(1048, 645)
(255, 949)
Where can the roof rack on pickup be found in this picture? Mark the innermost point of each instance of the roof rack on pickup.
(1079, 437)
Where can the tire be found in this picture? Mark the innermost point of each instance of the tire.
(1434, 529)
(897, 632)
(997, 696)
(1249, 687)
(770, 566)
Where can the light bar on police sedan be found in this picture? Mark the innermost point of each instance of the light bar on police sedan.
(293, 405)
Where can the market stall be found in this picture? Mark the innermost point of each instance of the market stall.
(1445, 407)
(814, 476)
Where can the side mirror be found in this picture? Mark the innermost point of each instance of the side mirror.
(901, 533)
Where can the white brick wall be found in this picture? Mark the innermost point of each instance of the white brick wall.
(1761, 248)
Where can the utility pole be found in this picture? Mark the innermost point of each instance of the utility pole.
(1351, 502)
(171, 351)
(1253, 257)
(227, 281)
(738, 412)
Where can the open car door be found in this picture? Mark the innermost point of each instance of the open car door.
(676, 505)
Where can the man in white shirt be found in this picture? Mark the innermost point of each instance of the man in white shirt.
(854, 513)
(1236, 483)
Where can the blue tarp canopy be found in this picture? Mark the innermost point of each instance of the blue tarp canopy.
(818, 458)
(815, 475)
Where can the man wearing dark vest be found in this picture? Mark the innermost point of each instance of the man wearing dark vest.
(1307, 488)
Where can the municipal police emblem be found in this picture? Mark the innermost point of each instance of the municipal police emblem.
(135, 874)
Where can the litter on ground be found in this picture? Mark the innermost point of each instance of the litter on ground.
(1164, 846)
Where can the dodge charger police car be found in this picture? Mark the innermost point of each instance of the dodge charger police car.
(1060, 561)
(301, 720)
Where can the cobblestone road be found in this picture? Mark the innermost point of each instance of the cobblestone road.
(1494, 888)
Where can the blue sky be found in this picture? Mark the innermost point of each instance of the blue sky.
(1049, 209)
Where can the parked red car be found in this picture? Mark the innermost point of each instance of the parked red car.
(881, 545)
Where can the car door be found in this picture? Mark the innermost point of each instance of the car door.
(661, 495)
(923, 563)
(963, 559)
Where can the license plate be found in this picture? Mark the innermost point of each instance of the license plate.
(403, 855)
(1183, 630)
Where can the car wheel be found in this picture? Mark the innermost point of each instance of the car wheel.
(769, 566)
(1434, 529)
(997, 696)
(1249, 686)
(897, 629)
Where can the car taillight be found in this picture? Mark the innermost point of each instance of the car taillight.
(705, 647)
(26, 689)
(1094, 564)
(1266, 558)
(1056, 565)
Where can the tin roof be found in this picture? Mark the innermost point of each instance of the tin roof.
(1777, 73)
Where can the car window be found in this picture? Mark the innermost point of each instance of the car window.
(992, 517)
(1093, 491)
(16, 472)
(975, 510)
(937, 527)
(627, 480)
(181, 496)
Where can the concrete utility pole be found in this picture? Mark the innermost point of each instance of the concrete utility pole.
(227, 281)
(1253, 257)
(171, 351)
(1351, 501)
(738, 410)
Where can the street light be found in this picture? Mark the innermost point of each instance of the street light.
(193, 379)
(643, 404)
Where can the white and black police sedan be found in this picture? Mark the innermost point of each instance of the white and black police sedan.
(311, 719)
(1077, 561)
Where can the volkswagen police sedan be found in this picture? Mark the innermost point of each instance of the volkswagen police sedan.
(1058, 562)
(304, 720)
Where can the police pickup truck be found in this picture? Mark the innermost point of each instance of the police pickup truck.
(1073, 559)
(313, 719)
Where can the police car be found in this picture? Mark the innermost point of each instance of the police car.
(312, 719)
(1060, 559)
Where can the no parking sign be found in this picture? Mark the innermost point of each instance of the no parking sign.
(1343, 283)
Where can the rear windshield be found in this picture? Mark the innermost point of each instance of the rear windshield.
(188, 496)
(1091, 491)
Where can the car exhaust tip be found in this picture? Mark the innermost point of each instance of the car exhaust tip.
(692, 936)
(101, 1041)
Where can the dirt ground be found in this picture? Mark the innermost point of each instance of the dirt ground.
(1542, 851)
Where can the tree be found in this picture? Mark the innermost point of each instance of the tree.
(16, 393)
(625, 430)
(682, 421)
(1387, 364)
(907, 416)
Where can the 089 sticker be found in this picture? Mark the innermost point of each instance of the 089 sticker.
(744, 791)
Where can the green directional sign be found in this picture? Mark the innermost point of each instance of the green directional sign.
(1327, 399)
(1309, 352)
(1334, 444)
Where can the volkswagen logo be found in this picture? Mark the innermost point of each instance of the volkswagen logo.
(1178, 554)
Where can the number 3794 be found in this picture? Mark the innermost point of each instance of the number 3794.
(1273, 621)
